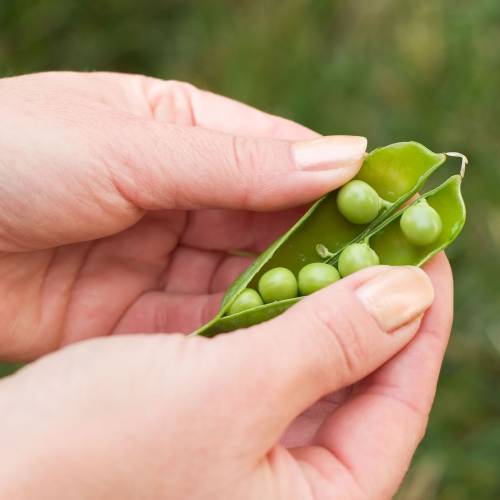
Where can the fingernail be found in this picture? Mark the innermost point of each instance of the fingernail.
(397, 296)
(330, 152)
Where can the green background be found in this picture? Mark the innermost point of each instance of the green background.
(391, 70)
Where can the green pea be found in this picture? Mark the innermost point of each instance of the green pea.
(421, 224)
(356, 257)
(315, 276)
(278, 284)
(358, 202)
(247, 299)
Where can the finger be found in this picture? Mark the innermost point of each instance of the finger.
(158, 166)
(159, 312)
(327, 341)
(192, 271)
(118, 163)
(192, 297)
(184, 104)
(375, 434)
(144, 165)
(218, 229)
(169, 101)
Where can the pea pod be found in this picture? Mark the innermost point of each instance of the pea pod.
(396, 172)
(393, 248)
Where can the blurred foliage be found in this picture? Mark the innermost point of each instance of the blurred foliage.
(426, 70)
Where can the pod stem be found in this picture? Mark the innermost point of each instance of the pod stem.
(385, 204)
(323, 251)
(464, 159)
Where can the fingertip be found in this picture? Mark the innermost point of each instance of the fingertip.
(312, 169)
(439, 268)
(330, 152)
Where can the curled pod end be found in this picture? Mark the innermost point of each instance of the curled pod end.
(464, 159)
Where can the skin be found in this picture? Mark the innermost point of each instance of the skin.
(99, 175)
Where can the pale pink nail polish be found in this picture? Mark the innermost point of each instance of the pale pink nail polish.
(331, 152)
(397, 296)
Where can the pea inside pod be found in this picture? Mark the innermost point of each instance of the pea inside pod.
(278, 284)
(247, 299)
(394, 248)
(395, 172)
(315, 276)
(358, 202)
(421, 224)
(356, 257)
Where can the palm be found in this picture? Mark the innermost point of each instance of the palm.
(188, 260)
(166, 273)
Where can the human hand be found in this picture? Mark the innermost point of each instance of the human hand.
(106, 255)
(174, 417)
(114, 198)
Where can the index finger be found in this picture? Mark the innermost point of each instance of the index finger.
(184, 104)
(218, 229)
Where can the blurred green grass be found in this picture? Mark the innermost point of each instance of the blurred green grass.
(427, 70)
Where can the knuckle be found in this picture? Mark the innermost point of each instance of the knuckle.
(243, 159)
(259, 165)
(180, 86)
(172, 101)
(129, 176)
(138, 173)
(242, 154)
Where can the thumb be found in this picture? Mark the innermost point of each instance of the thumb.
(116, 165)
(168, 166)
(327, 341)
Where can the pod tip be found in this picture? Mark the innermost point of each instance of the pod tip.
(464, 159)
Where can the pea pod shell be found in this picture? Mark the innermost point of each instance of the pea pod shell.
(392, 246)
(406, 165)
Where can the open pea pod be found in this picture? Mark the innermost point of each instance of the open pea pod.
(396, 172)
(393, 248)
